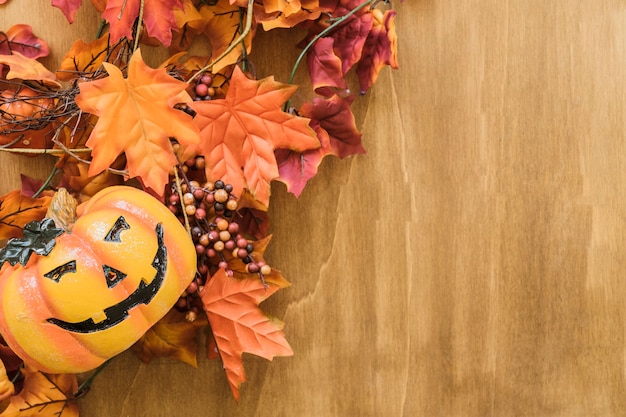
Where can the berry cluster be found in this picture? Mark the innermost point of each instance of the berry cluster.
(204, 88)
(210, 211)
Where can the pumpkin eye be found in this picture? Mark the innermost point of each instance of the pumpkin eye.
(112, 275)
(56, 274)
(114, 234)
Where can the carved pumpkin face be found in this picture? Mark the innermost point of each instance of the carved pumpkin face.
(122, 267)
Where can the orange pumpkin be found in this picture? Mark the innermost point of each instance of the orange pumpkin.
(119, 270)
(20, 123)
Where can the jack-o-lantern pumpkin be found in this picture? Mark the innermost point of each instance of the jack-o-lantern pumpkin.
(103, 284)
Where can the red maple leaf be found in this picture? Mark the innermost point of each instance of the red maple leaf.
(325, 68)
(297, 168)
(238, 324)
(334, 116)
(20, 38)
(240, 132)
(158, 18)
(68, 7)
(380, 49)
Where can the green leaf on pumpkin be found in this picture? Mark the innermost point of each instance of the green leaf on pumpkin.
(39, 238)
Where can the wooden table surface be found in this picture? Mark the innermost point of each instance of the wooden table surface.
(471, 264)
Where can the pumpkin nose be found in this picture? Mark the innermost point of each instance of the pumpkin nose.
(112, 276)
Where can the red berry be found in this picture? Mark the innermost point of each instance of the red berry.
(202, 90)
(233, 228)
(198, 193)
(206, 79)
(192, 287)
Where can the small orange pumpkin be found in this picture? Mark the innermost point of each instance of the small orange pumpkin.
(103, 284)
(22, 119)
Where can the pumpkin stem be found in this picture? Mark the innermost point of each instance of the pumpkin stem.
(62, 210)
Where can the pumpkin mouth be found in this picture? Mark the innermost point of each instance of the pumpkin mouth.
(143, 294)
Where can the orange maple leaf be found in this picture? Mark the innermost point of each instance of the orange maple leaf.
(240, 132)
(238, 324)
(22, 67)
(221, 26)
(137, 117)
(87, 57)
(171, 337)
(286, 14)
(44, 395)
(16, 210)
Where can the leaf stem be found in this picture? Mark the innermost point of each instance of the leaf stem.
(42, 151)
(46, 182)
(103, 23)
(179, 190)
(84, 387)
(335, 23)
(244, 52)
(233, 44)
(139, 24)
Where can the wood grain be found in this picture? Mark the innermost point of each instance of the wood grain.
(471, 264)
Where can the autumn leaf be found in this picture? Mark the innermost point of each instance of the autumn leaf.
(68, 7)
(20, 38)
(379, 50)
(137, 117)
(6, 386)
(325, 68)
(190, 22)
(44, 395)
(221, 27)
(297, 168)
(365, 39)
(238, 324)
(240, 132)
(252, 217)
(158, 18)
(171, 337)
(334, 116)
(25, 68)
(239, 269)
(16, 211)
(12, 363)
(87, 57)
(349, 37)
(307, 10)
